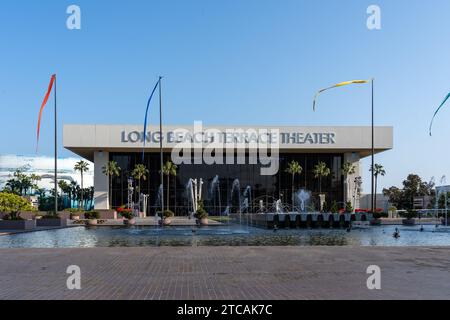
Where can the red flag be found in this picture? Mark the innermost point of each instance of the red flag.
(47, 95)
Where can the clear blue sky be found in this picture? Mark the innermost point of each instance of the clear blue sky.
(232, 62)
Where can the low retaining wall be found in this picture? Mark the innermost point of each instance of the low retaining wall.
(17, 224)
(51, 222)
(300, 220)
(107, 214)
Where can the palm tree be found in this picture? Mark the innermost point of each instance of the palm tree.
(140, 172)
(294, 168)
(378, 170)
(321, 170)
(111, 169)
(169, 169)
(35, 179)
(91, 196)
(348, 169)
(82, 167)
(65, 188)
(73, 192)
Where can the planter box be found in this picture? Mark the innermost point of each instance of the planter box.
(92, 222)
(51, 223)
(409, 222)
(17, 224)
(130, 222)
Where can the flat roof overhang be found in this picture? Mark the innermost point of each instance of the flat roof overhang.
(85, 140)
(88, 153)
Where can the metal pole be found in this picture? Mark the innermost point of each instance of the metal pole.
(373, 151)
(56, 155)
(446, 210)
(161, 145)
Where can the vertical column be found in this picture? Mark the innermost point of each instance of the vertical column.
(349, 183)
(101, 181)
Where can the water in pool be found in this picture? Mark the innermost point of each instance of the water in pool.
(84, 237)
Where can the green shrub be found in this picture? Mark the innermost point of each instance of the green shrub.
(127, 214)
(201, 212)
(348, 207)
(334, 207)
(166, 214)
(410, 214)
(379, 215)
(51, 215)
(74, 210)
(14, 204)
(92, 215)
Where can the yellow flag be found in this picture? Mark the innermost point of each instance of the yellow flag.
(341, 84)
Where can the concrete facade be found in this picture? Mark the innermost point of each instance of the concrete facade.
(96, 142)
(101, 181)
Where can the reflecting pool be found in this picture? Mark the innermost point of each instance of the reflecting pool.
(230, 235)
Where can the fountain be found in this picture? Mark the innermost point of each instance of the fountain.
(302, 200)
(278, 207)
(214, 194)
(194, 194)
(247, 200)
(236, 188)
(158, 202)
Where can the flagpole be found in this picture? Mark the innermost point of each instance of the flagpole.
(56, 153)
(161, 147)
(373, 152)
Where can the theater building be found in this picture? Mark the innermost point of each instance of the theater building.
(256, 157)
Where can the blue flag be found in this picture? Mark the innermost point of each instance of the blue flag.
(434, 116)
(146, 115)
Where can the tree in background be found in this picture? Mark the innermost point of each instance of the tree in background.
(82, 167)
(377, 170)
(34, 180)
(348, 169)
(139, 173)
(20, 183)
(111, 169)
(293, 169)
(169, 169)
(413, 186)
(65, 188)
(321, 170)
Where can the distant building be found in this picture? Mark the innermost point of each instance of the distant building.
(442, 189)
(43, 167)
(382, 202)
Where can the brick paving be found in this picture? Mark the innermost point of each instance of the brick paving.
(255, 273)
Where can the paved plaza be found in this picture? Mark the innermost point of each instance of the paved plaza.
(226, 273)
